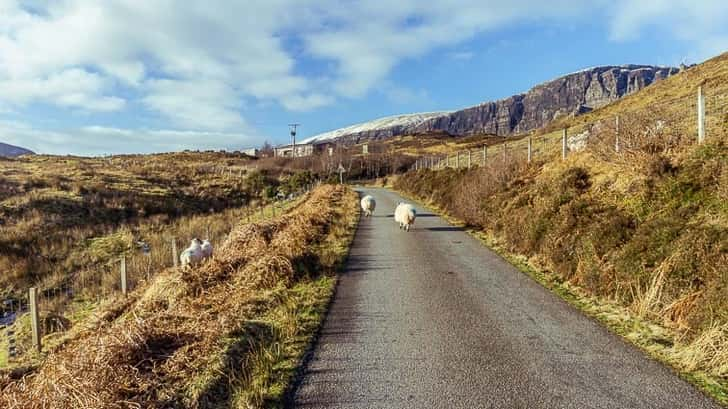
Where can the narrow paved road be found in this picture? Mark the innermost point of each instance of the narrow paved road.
(432, 319)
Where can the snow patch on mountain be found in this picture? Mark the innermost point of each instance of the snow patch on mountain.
(405, 121)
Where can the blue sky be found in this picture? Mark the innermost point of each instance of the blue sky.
(121, 76)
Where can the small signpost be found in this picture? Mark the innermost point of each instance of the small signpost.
(341, 171)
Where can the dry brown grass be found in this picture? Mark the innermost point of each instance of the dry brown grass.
(183, 349)
(66, 221)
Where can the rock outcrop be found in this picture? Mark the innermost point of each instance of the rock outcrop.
(571, 94)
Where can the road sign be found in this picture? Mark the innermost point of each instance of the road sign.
(341, 171)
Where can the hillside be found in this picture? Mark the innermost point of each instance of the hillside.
(637, 237)
(568, 95)
(12, 151)
(52, 209)
(229, 333)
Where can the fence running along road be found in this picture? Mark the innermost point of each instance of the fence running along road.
(706, 114)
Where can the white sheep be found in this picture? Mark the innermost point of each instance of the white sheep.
(193, 254)
(206, 249)
(368, 204)
(405, 215)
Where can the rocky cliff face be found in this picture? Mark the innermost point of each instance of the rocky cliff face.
(574, 93)
(571, 94)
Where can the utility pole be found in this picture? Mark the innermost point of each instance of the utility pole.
(293, 136)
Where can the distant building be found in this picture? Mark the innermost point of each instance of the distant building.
(302, 149)
(288, 151)
(254, 152)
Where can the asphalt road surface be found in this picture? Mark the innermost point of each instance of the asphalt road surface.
(433, 319)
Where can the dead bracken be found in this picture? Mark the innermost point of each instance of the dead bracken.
(180, 340)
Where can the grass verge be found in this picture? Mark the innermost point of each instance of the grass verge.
(296, 318)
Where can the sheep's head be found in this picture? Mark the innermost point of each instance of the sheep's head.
(196, 242)
(206, 243)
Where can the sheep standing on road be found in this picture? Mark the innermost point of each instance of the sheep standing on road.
(193, 254)
(206, 249)
(405, 215)
(368, 204)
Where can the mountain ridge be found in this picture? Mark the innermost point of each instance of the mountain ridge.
(571, 94)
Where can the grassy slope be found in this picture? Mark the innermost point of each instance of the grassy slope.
(229, 334)
(78, 310)
(639, 239)
(51, 205)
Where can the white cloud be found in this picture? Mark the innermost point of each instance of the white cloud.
(197, 65)
(73, 88)
(703, 23)
(207, 104)
(373, 37)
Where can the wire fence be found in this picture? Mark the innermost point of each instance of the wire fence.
(42, 311)
(672, 121)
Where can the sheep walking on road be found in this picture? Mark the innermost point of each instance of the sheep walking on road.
(368, 204)
(192, 255)
(405, 215)
(206, 249)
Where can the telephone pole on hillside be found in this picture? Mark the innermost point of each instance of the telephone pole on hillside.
(293, 137)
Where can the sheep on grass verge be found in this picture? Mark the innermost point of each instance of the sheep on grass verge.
(192, 255)
(206, 249)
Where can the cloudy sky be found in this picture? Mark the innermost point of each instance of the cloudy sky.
(96, 77)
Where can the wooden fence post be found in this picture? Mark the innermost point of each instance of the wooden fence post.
(457, 160)
(505, 151)
(701, 115)
(485, 153)
(529, 148)
(35, 318)
(122, 271)
(469, 159)
(616, 134)
(175, 256)
(563, 144)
